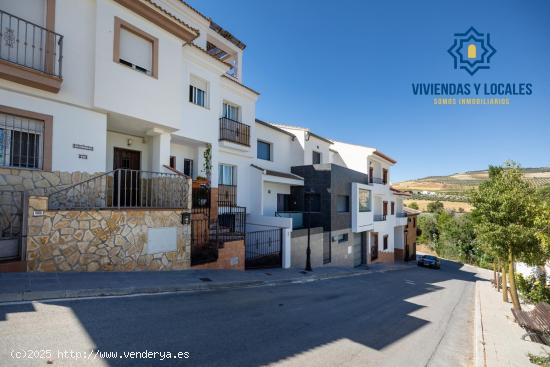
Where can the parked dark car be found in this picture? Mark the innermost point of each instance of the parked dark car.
(428, 261)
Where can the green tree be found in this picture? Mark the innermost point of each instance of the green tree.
(435, 206)
(504, 209)
(428, 226)
(413, 205)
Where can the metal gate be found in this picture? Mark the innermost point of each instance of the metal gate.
(12, 204)
(264, 249)
(204, 247)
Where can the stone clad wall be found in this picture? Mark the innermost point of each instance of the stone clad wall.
(41, 183)
(101, 240)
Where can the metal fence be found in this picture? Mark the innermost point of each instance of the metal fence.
(12, 204)
(122, 189)
(234, 131)
(379, 217)
(27, 44)
(231, 224)
(264, 249)
(227, 195)
(377, 180)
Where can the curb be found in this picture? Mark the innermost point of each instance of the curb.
(479, 339)
(27, 296)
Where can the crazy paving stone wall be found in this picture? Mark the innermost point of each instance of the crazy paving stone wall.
(101, 240)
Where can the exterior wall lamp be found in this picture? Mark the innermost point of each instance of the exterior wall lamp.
(185, 218)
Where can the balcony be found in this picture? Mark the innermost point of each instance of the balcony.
(377, 180)
(30, 54)
(234, 131)
(401, 215)
(297, 218)
(379, 217)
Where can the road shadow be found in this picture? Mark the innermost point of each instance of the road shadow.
(259, 326)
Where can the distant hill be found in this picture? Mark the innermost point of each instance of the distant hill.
(457, 183)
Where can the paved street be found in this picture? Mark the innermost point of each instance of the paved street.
(413, 317)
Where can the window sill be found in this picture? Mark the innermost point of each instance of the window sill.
(32, 78)
(198, 105)
(128, 67)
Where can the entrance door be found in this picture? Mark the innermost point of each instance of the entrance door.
(364, 248)
(127, 177)
(374, 247)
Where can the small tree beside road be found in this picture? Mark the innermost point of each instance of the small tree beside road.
(505, 209)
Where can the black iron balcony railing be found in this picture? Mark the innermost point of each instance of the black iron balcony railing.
(377, 180)
(122, 189)
(379, 218)
(30, 45)
(401, 215)
(234, 131)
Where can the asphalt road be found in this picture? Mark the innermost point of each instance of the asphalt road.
(413, 317)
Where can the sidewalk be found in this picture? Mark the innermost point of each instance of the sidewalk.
(498, 337)
(16, 287)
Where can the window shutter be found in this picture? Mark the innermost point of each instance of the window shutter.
(198, 83)
(136, 50)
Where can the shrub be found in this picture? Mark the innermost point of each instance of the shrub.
(435, 206)
(413, 205)
(533, 288)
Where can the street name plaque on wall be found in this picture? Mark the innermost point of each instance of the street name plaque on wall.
(83, 147)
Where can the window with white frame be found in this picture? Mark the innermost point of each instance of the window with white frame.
(227, 174)
(264, 150)
(21, 142)
(198, 91)
(231, 111)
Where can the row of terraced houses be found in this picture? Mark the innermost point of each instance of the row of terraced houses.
(129, 141)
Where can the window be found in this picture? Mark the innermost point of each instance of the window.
(283, 202)
(198, 91)
(188, 167)
(227, 175)
(264, 150)
(384, 176)
(316, 158)
(135, 48)
(342, 203)
(173, 162)
(392, 208)
(385, 242)
(21, 142)
(364, 200)
(231, 111)
(385, 208)
(342, 238)
(414, 222)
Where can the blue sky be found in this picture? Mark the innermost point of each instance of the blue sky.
(345, 68)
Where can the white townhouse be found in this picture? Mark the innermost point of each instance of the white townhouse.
(139, 84)
(103, 99)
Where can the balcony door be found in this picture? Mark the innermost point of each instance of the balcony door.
(127, 178)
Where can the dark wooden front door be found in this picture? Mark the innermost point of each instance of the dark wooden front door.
(364, 248)
(374, 247)
(127, 177)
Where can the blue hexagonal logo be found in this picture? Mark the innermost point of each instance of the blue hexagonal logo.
(472, 50)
